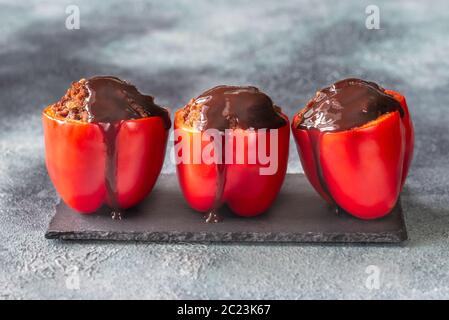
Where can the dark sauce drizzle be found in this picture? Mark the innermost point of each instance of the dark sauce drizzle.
(347, 104)
(110, 102)
(213, 216)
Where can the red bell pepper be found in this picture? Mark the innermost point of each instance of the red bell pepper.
(247, 192)
(76, 156)
(361, 170)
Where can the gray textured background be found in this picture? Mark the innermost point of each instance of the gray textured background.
(175, 50)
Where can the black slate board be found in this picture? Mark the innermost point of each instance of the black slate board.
(298, 215)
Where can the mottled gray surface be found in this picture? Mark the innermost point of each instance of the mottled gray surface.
(175, 50)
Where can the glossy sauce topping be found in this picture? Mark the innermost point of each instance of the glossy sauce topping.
(112, 100)
(228, 107)
(347, 104)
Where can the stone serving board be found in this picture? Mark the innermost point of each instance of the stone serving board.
(298, 215)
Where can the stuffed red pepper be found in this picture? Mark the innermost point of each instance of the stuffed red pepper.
(355, 141)
(231, 145)
(105, 144)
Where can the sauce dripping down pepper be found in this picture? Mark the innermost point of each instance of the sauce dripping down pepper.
(110, 102)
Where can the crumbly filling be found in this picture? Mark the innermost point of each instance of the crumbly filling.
(192, 114)
(73, 104)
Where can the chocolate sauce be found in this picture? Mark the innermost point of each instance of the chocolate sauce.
(110, 102)
(110, 132)
(229, 107)
(113, 100)
(347, 104)
(213, 216)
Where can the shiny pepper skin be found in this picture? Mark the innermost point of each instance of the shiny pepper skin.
(246, 192)
(76, 157)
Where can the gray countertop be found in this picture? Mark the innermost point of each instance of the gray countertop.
(175, 50)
